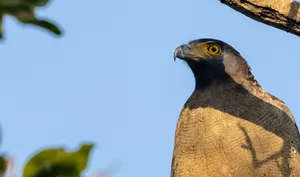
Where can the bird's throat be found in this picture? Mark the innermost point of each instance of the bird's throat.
(207, 72)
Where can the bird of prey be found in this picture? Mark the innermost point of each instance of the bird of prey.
(230, 126)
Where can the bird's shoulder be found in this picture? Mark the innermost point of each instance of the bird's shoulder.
(264, 95)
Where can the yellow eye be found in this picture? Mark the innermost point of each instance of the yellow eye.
(214, 49)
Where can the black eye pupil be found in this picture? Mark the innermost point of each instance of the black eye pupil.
(213, 49)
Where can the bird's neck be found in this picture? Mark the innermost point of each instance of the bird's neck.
(206, 72)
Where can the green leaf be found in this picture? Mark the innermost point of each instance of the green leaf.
(57, 162)
(36, 3)
(3, 164)
(47, 25)
(24, 12)
(31, 3)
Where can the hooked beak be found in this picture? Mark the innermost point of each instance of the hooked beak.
(182, 52)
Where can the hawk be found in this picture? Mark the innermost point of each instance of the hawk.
(230, 126)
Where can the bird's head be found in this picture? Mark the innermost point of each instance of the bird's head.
(212, 59)
(204, 49)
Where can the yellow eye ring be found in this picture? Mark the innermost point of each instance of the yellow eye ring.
(214, 49)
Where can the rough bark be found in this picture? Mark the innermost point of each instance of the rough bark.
(281, 14)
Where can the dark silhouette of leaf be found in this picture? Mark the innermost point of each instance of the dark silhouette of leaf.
(3, 164)
(58, 162)
(24, 12)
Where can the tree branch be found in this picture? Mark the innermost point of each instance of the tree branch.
(281, 14)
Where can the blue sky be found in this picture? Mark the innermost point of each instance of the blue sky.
(111, 78)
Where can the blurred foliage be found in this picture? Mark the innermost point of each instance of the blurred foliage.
(24, 12)
(3, 165)
(57, 162)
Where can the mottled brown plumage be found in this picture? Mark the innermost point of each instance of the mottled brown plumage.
(230, 126)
